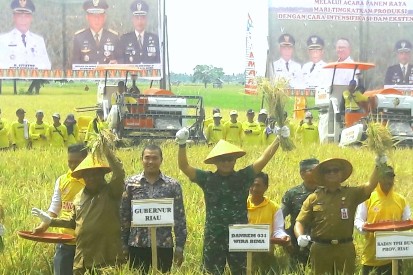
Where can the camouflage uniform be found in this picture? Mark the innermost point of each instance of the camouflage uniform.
(226, 203)
(291, 205)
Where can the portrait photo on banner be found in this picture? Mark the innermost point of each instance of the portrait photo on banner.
(67, 39)
(304, 36)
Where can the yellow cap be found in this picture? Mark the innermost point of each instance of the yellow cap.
(223, 148)
(90, 163)
(344, 165)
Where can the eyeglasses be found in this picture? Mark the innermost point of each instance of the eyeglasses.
(332, 170)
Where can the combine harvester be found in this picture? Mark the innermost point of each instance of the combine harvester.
(157, 113)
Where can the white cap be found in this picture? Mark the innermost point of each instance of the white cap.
(217, 115)
(263, 111)
(233, 112)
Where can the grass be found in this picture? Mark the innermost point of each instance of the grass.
(27, 177)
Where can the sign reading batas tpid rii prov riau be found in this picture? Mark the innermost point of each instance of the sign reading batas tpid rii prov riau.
(153, 212)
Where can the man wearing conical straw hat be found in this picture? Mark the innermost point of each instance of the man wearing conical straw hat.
(95, 215)
(329, 214)
(225, 193)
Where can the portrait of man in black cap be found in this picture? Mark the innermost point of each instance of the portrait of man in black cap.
(285, 66)
(139, 46)
(20, 48)
(95, 44)
(313, 72)
(402, 73)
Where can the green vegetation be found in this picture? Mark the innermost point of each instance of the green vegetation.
(27, 177)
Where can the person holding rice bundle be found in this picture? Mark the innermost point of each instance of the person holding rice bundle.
(329, 214)
(225, 193)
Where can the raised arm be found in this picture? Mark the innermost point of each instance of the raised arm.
(373, 181)
(183, 164)
(269, 152)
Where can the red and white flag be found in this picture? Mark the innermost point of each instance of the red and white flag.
(250, 72)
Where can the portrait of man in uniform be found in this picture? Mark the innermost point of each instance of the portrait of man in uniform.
(95, 44)
(21, 48)
(139, 46)
(402, 73)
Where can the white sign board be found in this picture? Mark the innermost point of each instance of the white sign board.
(152, 212)
(249, 238)
(394, 245)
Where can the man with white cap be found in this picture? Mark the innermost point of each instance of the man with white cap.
(139, 46)
(57, 133)
(233, 129)
(95, 44)
(225, 193)
(251, 130)
(215, 130)
(307, 132)
(329, 215)
(20, 48)
(402, 73)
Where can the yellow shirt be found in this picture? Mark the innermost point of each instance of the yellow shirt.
(253, 138)
(233, 132)
(69, 187)
(308, 133)
(214, 133)
(91, 134)
(350, 101)
(381, 207)
(262, 213)
(4, 134)
(17, 134)
(35, 131)
(58, 136)
(73, 138)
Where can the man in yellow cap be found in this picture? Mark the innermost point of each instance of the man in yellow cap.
(65, 190)
(225, 193)
(329, 215)
(95, 215)
(384, 204)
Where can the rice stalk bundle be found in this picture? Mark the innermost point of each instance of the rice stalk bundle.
(275, 95)
(379, 139)
(104, 139)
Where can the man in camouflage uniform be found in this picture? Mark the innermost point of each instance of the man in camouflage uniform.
(153, 184)
(291, 204)
(225, 192)
(94, 45)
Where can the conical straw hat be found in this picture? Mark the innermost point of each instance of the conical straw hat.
(90, 163)
(345, 165)
(223, 148)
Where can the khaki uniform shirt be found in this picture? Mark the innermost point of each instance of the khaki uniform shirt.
(330, 215)
(96, 220)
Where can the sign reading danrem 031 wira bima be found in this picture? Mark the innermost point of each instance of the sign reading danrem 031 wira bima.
(152, 212)
(249, 238)
(305, 35)
(51, 39)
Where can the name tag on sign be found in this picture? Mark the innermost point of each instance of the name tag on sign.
(152, 212)
(249, 238)
(394, 245)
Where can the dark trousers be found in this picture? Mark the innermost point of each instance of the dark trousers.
(216, 255)
(63, 259)
(381, 270)
(141, 258)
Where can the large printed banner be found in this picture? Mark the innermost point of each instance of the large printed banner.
(55, 39)
(304, 35)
